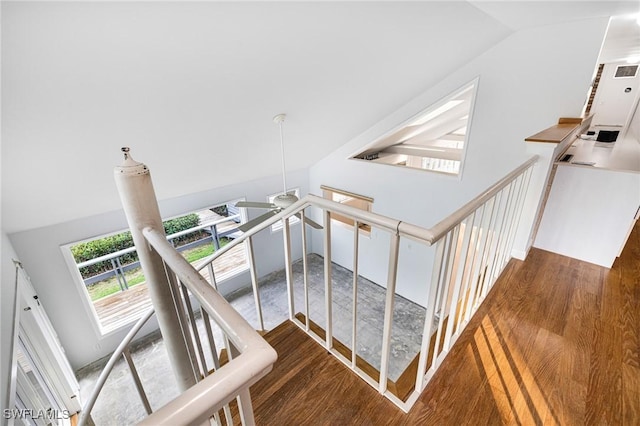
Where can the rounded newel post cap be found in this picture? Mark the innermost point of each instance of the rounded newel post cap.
(129, 165)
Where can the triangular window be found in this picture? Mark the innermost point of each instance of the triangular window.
(434, 139)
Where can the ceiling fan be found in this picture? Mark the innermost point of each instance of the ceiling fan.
(281, 201)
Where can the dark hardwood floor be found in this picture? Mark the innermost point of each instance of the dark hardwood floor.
(557, 341)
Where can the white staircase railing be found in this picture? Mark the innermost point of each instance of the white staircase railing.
(121, 350)
(472, 247)
(250, 356)
(174, 285)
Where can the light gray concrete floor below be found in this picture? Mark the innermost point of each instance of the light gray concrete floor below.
(119, 403)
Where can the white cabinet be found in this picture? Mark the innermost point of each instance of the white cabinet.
(589, 213)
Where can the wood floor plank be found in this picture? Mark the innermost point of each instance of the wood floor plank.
(604, 394)
(556, 355)
(630, 317)
(630, 394)
(309, 386)
(557, 341)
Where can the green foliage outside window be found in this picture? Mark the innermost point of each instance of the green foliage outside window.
(113, 243)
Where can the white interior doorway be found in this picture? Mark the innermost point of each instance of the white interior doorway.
(44, 389)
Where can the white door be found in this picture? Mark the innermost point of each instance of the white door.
(35, 400)
(45, 388)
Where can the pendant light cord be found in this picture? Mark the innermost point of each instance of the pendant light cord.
(284, 169)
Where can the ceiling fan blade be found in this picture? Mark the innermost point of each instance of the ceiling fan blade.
(255, 205)
(258, 220)
(312, 224)
(309, 222)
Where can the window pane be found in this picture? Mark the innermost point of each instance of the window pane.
(433, 140)
(111, 277)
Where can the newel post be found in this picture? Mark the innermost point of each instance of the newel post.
(141, 209)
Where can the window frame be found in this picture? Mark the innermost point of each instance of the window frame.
(370, 152)
(330, 192)
(100, 330)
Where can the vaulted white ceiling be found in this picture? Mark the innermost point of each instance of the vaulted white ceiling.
(192, 88)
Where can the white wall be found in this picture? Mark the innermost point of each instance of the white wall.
(589, 213)
(612, 106)
(40, 253)
(539, 179)
(526, 83)
(634, 126)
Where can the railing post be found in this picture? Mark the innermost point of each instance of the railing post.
(85, 414)
(117, 274)
(286, 233)
(215, 237)
(305, 272)
(121, 270)
(136, 380)
(485, 264)
(459, 262)
(254, 282)
(448, 276)
(328, 286)
(434, 286)
(524, 189)
(388, 311)
(476, 269)
(141, 209)
(499, 241)
(245, 408)
(197, 352)
(354, 323)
